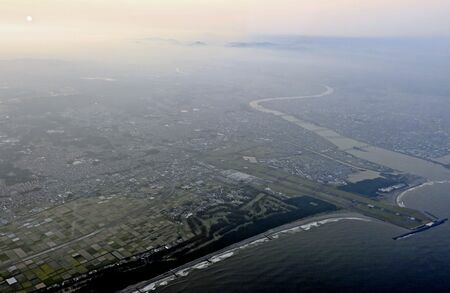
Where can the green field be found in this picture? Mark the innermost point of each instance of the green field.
(62, 242)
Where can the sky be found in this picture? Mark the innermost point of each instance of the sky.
(41, 24)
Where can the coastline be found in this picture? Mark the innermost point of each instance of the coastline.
(399, 197)
(297, 226)
(272, 234)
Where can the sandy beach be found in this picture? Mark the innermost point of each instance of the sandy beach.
(210, 259)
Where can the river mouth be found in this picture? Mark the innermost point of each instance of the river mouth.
(361, 150)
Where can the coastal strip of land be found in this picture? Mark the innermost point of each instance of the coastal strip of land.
(205, 261)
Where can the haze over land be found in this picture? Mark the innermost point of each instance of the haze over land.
(142, 138)
(91, 29)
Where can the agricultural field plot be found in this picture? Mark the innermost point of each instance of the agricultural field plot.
(239, 197)
(82, 235)
(87, 234)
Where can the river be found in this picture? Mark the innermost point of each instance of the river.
(362, 150)
(350, 254)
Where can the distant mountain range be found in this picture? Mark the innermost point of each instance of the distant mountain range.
(367, 46)
(251, 44)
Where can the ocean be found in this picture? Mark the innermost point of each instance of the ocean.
(350, 255)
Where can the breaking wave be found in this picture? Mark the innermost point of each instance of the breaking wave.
(229, 253)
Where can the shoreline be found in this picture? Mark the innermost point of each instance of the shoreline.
(392, 196)
(399, 197)
(272, 234)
